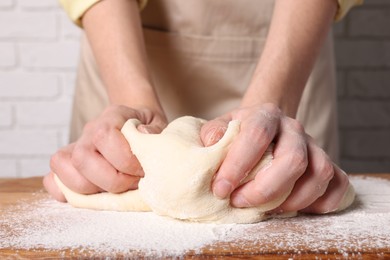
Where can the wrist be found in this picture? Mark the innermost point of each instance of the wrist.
(261, 92)
(137, 94)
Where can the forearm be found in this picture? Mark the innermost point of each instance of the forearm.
(297, 31)
(113, 28)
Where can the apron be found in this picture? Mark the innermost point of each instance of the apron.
(202, 54)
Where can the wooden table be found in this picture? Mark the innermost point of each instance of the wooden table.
(12, 191)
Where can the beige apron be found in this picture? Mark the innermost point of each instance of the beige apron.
(202, 55)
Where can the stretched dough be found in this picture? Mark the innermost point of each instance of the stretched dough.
(178, 175)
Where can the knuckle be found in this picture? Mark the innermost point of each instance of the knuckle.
(272, 108)
(295, 125)
(101, 132)
(298, 161)
(79, 157)
(56, 159)
(259, 132)
(326, 171)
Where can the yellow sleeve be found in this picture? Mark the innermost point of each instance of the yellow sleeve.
(76, 8)
(345, 6)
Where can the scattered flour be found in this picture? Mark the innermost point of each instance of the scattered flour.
(48, 225)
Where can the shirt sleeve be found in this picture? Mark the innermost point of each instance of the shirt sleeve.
(344, 7)
(76, 8)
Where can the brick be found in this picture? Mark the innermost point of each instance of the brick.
(6, 115)
(365, 166)
(28, 85)
(34, 167)
(38, 5)
(339, 28)
(362, 53)
(41, 25)
(358, 113)
(68, 84)
(366, 144)
(7, 3)
(56, 113)
(341, 83)
(68, 29)
(369, 22)
(64, 137)
(34, 142)
(376, 2)
(369, 84)
(7, 55)
(8, 168)
(50, 55)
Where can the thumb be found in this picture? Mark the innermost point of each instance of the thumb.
(212, 131)
(149, 129)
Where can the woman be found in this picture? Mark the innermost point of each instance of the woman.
(262, 62)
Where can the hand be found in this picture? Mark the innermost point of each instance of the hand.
(317, 184)
(101, 159)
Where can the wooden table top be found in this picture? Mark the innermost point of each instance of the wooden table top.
(14, 192)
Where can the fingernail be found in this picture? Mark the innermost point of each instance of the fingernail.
(266, 166)
(277, 210)
(211, 139)
(143, 129)
(216, 135)
(222, 189)
(240, 202)
(139, 172)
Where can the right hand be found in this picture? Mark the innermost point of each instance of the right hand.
(101, 159)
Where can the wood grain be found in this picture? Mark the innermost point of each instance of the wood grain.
(15, 191)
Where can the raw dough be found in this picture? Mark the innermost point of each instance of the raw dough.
(178, 175)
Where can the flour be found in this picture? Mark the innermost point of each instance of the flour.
(49, 225)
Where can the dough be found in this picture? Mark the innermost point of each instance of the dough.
(178, 175)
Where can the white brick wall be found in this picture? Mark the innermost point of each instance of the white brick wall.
(363, 65)
(8, 55)
(38, 56)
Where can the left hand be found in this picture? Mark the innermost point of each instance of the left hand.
(317, 184)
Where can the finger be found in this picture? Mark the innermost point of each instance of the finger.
(52, 188)
(213, 130)
(110, 142)
(113, 146)
(61, 164)
(149, 129)
(119, 114)
(95, 168)
(333, 196)
(275, 181)
(313, 183)
(256, 134)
